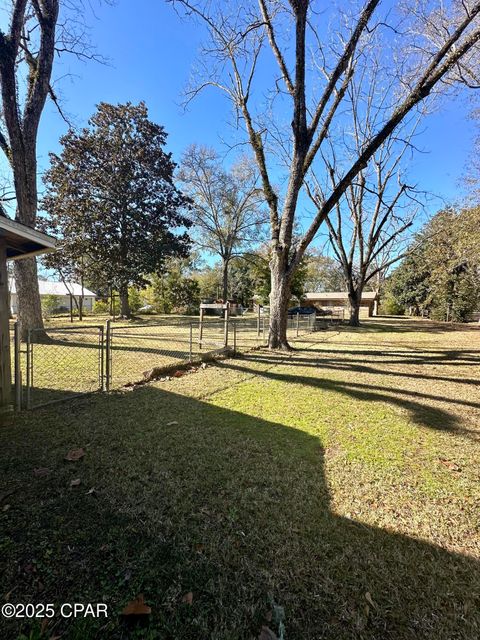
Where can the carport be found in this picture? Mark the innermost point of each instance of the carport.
(17, 241)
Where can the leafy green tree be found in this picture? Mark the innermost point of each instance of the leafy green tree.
(209, 280)
(441, 275)
(242, 281)
(135, 299)
(175, 290)
(452, 252)
(111, 198)
(263, 282)
(389, 305)
(409, 285)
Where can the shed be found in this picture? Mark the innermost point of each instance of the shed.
(17, 241)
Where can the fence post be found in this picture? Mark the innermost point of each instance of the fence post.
(263, 328)
(190, 351)
(108, 338)
(29, 364)
(258, 319)
(226, 328)
(298, 322)
(234, 322)
(17, 367)
(200, 329)
(101, 342)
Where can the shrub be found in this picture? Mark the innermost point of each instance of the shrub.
(50, 304)
(101, 308)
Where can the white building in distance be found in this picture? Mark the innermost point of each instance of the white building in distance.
(60, 290)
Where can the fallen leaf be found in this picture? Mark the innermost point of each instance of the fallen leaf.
(188, 598)
(178, 374)
(199, 547)
(368, 598)
(172, 423)
(41, 472)
(450, 465)
(90, 491)
(75, 483)
(267, 634)
(137, 607)
(75, 454)
(6, 507)
(7, 595)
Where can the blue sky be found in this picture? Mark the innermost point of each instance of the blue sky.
(151, 52)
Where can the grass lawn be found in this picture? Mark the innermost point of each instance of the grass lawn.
(340, 483)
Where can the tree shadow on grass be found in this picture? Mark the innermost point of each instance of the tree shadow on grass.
(332, 359)
(189, 496)
(416, 403)
(398, 324)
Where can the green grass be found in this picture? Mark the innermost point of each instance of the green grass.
(320, 481)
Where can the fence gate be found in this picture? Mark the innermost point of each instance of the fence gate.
(62, 363)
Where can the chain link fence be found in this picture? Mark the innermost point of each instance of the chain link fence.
(134, 350)
(60, 363)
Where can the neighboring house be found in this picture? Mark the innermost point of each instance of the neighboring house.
(62, 291)
(338, 300)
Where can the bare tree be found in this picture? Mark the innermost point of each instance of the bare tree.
(368, 233)
(227, 206)
(27, 49)
(368, 227)
(421, 50)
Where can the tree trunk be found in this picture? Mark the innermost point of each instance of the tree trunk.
(224, 280)
(354, 297)
(124, 304)
(21, 150)
(5, 366)
(279, 299)
(29, 308)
